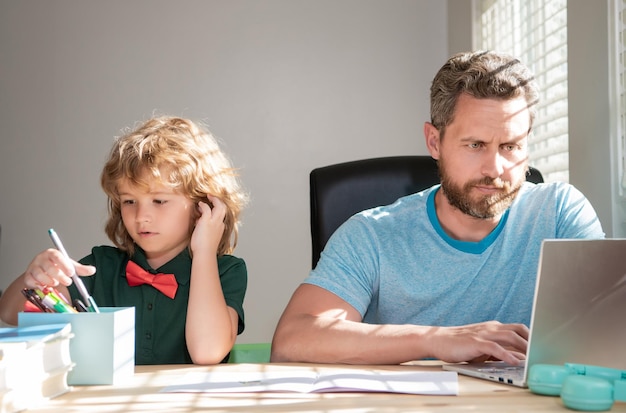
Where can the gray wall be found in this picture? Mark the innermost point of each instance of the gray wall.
(287, 85)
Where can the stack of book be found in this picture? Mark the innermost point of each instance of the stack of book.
(34, 364)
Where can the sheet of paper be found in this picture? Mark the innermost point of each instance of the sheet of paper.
(243, 382)
(309, 381)
(388, 382)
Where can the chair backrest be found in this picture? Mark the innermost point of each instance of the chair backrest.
(339, 191)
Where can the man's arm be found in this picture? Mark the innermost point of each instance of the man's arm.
(317, 326)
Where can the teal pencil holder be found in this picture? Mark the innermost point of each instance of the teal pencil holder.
(103, 346)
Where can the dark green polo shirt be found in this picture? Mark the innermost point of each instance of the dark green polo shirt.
(159, 320)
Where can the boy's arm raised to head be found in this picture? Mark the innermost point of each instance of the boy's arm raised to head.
(211, 325)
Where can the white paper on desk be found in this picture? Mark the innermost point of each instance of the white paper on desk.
(308, 381)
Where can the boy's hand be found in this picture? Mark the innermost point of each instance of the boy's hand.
(209, 226)
(51, 268)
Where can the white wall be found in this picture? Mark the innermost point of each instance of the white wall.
(287, 85)
(591, 160)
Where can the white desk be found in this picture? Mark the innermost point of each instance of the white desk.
(141, 394)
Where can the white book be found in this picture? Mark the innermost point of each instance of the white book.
(34, 364)
(309, 381)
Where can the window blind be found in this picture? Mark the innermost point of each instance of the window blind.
(535, 31)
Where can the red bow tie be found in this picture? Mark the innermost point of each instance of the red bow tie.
(166, 283)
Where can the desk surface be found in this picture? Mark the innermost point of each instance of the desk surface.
(141, 394)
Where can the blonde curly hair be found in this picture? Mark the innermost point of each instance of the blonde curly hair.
(177, 153)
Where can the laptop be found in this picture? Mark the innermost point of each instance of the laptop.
(579, 310)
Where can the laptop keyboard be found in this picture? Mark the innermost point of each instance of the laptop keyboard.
(505, 373)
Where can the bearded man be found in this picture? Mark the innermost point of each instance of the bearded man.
(449, 272)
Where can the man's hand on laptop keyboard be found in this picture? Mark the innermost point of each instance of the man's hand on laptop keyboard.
(480, 342)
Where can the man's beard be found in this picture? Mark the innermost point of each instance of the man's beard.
(483, 207)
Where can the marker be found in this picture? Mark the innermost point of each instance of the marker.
(56, 306)
(56, 294)
(54, 302)
(34, 299)
(79, 283)
(79, 306)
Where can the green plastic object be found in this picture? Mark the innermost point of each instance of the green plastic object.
(250, 353)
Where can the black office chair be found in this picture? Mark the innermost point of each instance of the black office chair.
(339, 191)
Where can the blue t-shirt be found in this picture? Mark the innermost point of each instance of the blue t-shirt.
(395, 264)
